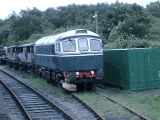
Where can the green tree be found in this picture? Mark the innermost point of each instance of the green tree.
(154, 30)
(26, 23)
(132, 18)
(4, 32)
(154, 9)
(52, 15)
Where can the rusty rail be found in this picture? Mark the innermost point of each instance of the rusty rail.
(17, 100)
(132, 111)
(27, 114)
(89, 107)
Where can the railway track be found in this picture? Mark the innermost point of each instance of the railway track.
(15, 111)
(35, 107)
(132, 111)
(32, 104)
(95, 115)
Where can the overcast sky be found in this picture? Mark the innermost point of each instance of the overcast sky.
(7, 6)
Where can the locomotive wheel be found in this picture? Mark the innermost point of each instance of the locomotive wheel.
(85, 86)
(16, 66)
(37, 70)
(10, 65)
(80, 86)
(58, 80)
(91, 86)
(54, 79)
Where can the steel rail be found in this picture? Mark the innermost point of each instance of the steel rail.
(89, 107)
(18, 101)
(35, 91)
(132, 111)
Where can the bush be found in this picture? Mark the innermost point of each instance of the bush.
(154, 34)
(138, 43)
(117, 44)
(155, 44)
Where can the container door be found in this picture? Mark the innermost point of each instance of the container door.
(141, 61)
(137, 69)
(133, 73)
(157, 67)
(151, 69)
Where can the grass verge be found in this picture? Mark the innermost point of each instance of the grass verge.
(146, 102)
(105, 107)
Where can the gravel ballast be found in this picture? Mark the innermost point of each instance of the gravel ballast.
(72, 107)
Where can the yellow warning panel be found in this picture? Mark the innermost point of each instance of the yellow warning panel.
(69, 87)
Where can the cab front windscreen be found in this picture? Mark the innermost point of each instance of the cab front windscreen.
(69, 46)
(81, 45)
(95, 45)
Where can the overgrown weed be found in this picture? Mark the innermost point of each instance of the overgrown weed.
(145, 102)
(104, 106)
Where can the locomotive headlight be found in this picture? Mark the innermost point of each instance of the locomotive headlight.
(92, 72)
(77, 73)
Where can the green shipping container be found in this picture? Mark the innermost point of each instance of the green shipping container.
(134, 69)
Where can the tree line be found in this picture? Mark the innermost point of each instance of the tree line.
(119, 25)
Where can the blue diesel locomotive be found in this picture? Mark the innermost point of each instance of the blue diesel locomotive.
(71, 58)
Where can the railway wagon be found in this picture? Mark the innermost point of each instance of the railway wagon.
(2, 55)
(12, 54)
(74, 57)
(26, 56)
(2, 51)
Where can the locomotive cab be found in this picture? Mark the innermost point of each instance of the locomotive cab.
(81, 58)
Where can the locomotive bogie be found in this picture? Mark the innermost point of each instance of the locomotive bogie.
(48, 75)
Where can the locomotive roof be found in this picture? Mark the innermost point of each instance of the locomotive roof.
(72, 33)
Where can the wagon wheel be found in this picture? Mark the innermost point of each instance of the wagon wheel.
(10, 65)
(17, 67)
(49, 81)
